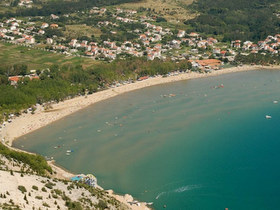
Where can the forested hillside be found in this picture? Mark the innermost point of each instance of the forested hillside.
(61, 7)
(238, 19)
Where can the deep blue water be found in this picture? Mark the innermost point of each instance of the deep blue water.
(205, 148)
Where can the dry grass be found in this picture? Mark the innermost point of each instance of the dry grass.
(37, 59)
(74, 31)
(172, 10)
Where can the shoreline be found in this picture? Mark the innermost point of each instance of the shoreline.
(27, 123)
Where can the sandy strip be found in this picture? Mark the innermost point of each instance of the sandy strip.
(27, 123)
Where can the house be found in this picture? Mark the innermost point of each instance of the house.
(158, 46)
(45, 25)
(176, 44)
(30, 40)
(11, 20)
(14, 79)
(208, 64)
(15, 24)
(195, 51)
(89, 53)
(181, 34)
(151, 57)
(146, 43)
(103, 10)
(143, 37)
(32, 77)
(94, 51)
(211, 40)
(157, 37)
(41, 32)
(193, 34)
(49, 41)
(237, 45)
(143, 78)
(111, 56)
(3, 30)
(159, 29)
(54, 17)
(13, 28)
(136, 54)
(54, 26)
(223, 52)
(216, 50)
(202, 43)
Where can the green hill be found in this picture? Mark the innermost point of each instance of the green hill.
(239, 19)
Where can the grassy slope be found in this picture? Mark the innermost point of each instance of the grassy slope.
(178, 7)
(74, 31)
(12, 54)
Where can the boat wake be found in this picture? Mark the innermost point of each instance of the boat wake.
(187, 188)
(179, 190)
(162, 193)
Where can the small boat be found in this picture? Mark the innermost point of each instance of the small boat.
(268, 117)
(275, 102)
(67, 153)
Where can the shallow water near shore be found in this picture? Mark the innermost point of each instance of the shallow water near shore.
(194, 144)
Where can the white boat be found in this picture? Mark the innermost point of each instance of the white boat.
(275, 102)
(68, 151)
(268, 117)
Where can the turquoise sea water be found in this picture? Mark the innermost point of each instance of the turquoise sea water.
(205, 148)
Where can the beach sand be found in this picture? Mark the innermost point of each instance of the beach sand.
(27, 123)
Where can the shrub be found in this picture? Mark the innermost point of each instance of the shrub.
(34, 187)
(102, 204)
(49, 185)
(22, 189)
(46, 205)
(54, 196)
(74, 205)
(57, 191)
(39, 197)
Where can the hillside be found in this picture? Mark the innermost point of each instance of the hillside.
(43, 7)
(171, 10)
(22, 187)
(241, 19)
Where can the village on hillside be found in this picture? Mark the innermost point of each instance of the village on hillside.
(126, 34)
(146, 38)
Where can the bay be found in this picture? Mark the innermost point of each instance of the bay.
(195, 144)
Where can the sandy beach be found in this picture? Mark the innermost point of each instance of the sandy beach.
(27, 123)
